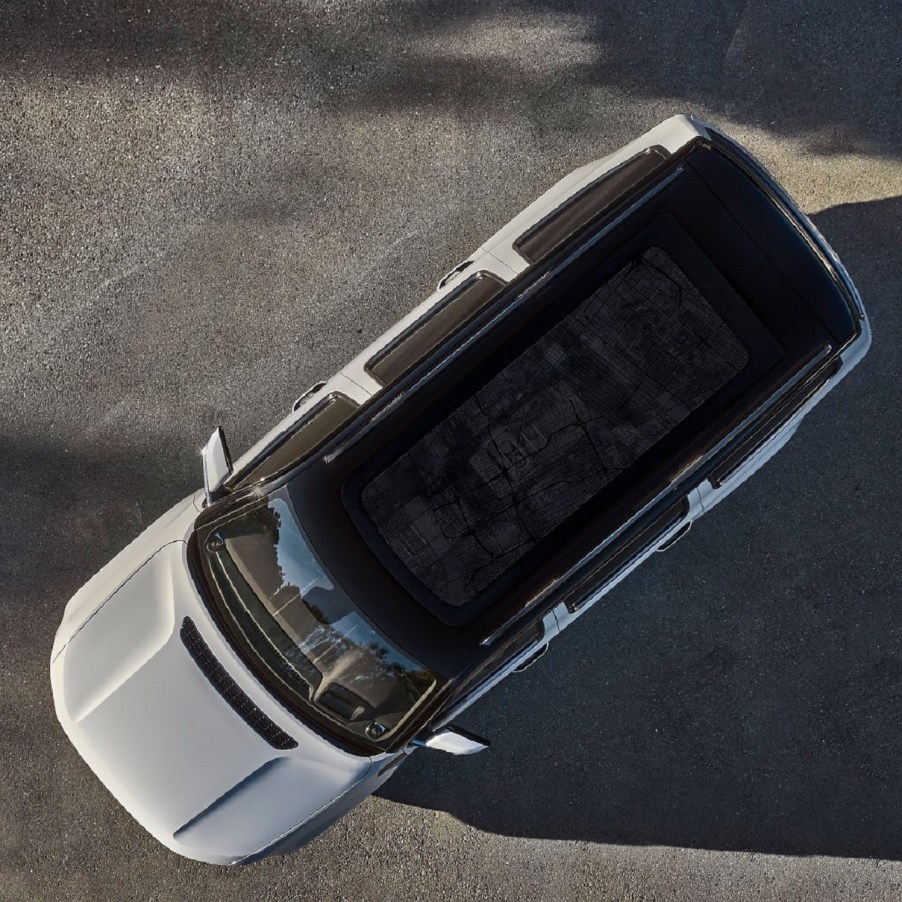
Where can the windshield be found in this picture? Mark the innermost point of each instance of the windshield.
(309, 636)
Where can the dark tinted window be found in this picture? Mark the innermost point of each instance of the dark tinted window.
(544, 435)
(319, 425)
(589, 203)
(428, 333)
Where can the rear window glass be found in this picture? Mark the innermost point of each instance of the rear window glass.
(545, 434)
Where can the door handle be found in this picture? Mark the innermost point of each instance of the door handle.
(675, 537)
(307, 394)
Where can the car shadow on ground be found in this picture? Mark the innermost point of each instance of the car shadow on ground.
(741, 691)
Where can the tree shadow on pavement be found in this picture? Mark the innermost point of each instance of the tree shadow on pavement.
(741, 691)
(743, 59)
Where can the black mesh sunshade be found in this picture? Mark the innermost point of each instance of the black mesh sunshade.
(543, 436)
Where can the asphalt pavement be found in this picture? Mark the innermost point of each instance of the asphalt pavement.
(204, 208)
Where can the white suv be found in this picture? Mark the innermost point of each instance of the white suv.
(595, 377)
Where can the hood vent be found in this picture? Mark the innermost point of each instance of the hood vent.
(230, 691)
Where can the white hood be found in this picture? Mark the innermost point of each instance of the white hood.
(165, 741)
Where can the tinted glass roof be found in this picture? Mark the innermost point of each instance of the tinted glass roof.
(545, 434)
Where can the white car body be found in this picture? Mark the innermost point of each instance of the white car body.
(164, 740)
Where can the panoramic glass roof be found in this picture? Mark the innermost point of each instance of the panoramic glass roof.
(536, 442)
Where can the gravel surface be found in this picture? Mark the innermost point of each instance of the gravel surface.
(206, 207)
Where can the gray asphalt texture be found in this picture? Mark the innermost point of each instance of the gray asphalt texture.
(206, 207)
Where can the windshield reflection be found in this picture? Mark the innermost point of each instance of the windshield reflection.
(305, 629)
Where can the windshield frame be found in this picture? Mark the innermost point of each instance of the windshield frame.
(306, 712)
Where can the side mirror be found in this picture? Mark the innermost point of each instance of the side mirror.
(217, 464)
(453, 740)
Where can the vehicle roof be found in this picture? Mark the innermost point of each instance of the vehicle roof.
(681, 214)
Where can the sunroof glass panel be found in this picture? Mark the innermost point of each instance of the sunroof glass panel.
(550, 430)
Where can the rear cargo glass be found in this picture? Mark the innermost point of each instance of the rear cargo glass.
(574, 410)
